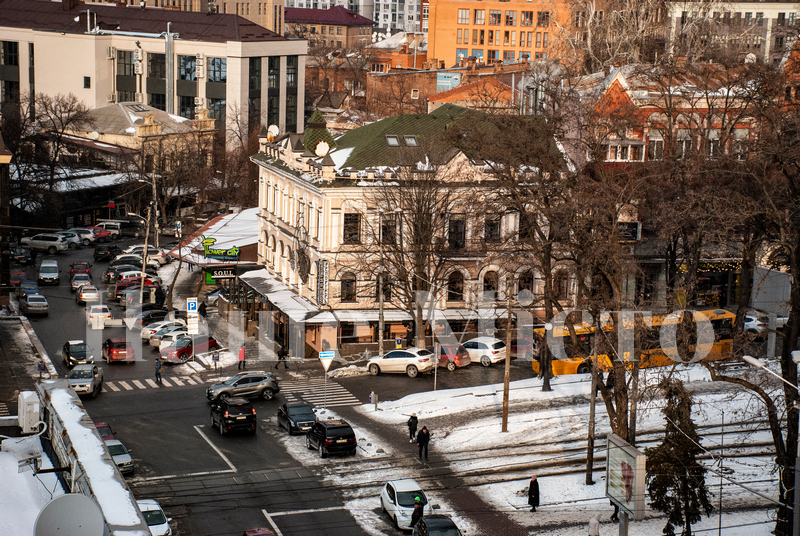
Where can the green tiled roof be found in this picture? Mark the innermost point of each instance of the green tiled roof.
(316, 132)
(370, 147)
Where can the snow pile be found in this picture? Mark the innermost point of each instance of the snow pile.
(346, 372)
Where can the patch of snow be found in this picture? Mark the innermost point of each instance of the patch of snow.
(346, 372)
(177, 118)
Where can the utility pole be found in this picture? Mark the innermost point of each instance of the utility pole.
(507, 373)
(380, 285)
(592, 400)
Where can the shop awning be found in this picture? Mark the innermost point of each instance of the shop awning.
(295, 307)
(396, 315)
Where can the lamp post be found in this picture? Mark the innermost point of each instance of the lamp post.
(796, 512)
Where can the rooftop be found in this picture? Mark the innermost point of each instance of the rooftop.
(336, 15)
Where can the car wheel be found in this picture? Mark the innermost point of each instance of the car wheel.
(322, 453)
(584, 368)
(485, 361)
(223, 396)
(97, 391)
(52, 250)
(221, 429)
(86, 242)
(267, 394)
(184, 357)
(73, 245)
(451, 366)
(374, 369)
(308, 443)
(412, 371)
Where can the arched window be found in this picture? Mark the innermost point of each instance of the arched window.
(455, 286)
(387, 286)
(560, 285)
(490, 285)
(348, 287)
(525, 281)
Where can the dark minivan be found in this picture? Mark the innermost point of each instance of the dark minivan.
(236, 413)
(106, 252)
(332, 437)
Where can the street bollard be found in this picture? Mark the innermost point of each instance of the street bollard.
(373, 399)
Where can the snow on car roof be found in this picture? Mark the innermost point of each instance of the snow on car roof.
(406, 484)
(76, 341)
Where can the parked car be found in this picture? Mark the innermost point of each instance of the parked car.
(137, 260)
(397, 500)
(212, 296)
(21, 255)
(235, 413)
(154, 516)
(27, 287)
(16, 277)
(86, 379)
(52, 243)
(526, 348)
(486, 350)
(436, 526)
(332, 437)
(78, 281)
(49, 273)
(76, 352)
(153, 328)
(113, 229)
(96, 311)
(104, 430)
(152, 253)
(106, 252)
(148, 317)
(117, 291)
(34, 304)
(80, 267)
(110, 273)
(169, 337)
(412, 361)
(118, 349)
(73, 240)
(757, 323)
(185, 348)
(87, 236)
(296, 418)
(452, 356)
(121, 456)
(101, 235)
(87, 294)
(245, 384)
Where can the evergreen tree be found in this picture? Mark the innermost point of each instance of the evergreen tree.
(675, 479)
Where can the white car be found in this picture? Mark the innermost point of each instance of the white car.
(153, 253)
(151, 329)
(156, 519)
(97, 311)
(136, 274)
(138, 258)
(756, 322)
(87, 235)
(397, 500)
(169, 339)
(80, 280)
(486, 350)
(121, 456)
(73, 239)
(412, 361)
(49, 242)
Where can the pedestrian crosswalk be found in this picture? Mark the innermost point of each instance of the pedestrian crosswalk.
(314, 392)
(311, 391)
(3, 409)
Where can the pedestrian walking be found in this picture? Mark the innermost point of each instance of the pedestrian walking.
(282, 353)
(202, 309)
(615, 515)
(594, 526)
(412, 427)
(410, 336)
(158, 370)
(610, 381)
(416, 515)
(533, 493)
(242, 358)
(160, 296)
(423, 438)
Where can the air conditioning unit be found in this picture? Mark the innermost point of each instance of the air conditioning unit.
(199, 62)
(112, 53)
(198, 101)
(199, 71)
(138, 54)
(199, 56)
(139, 97)
(112, 98)
(138, 68)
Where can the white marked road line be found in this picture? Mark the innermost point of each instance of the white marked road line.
(125, 386)
(271, 522)
(213, 446)
(177, 382)
(151, 383)
(111, 386)
(139, 384)
(165, 382)
(190, 381)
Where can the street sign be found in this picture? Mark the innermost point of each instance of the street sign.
(192, 326)
(398, 343)
(326, 358)
(191, 306)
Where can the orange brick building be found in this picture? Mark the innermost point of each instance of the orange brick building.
(506, 31)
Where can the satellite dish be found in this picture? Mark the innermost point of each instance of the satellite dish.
(322, 148)
(272, 132)
(750, 58)
(73, 514)
(95, 135)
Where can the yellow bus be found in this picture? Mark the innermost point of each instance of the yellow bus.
(576, 360)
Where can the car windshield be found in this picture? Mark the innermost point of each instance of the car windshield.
(104, 431)
(81, 277)
(183, 343)
(80, 375)
(119, 346)
(49, 269)
(117, 450)
(36, 299)
(300, 410)
(342, 431)
(498, 345)
(154, 517)
(406, 498)
(81, 348)
(443, 531)
(424, 352)
(29, 285)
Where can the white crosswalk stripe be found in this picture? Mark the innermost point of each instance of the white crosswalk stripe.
(176, 381)
(111, 386)
(139, 384)
(126, 386)
(151, 383)
(165, 382)
(314, 392)
(191, 381)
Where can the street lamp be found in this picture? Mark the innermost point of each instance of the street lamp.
(758, 363)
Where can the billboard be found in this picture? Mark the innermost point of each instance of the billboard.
(625, 476)
(447, 81)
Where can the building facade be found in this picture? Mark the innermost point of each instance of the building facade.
(335, 27)
(179, 62)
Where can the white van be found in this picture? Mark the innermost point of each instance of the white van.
(48, 273)
(111, 227)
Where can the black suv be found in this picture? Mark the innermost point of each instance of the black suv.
(106, 252)
(332, 437)
(296, 418)
(246, 384)
(229, 414)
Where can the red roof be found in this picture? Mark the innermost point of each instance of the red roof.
(53, 16)
(337, 16)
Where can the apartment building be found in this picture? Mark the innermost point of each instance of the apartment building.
(507, 31)
(334, 27)
(176, 61)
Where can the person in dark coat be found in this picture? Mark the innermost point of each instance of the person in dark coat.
(202, 309)
(615, 515)
(412, 427)
(160, 296)
(610, 381)
(533, 493)
(418, 511)
(423, 438)
(158, 370)
(410, 336)
(282, 353)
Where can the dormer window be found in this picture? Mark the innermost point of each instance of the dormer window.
(411, 141)
(392, 140)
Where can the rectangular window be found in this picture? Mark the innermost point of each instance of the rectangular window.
(778, 42)
(481, 36)
(792, 18)
(760, 18)
(530, 40)
(492, 55)
(748, 18)
(655, 150)
(781, 19)
(158, 101)
(9, 53)
(543, 18)
(126, 96)
(474, 37)
(124, 63)
(636, 153)
(87, 82)
(684, 144)
(218, 70)
(273, 72)
(291, 71)
(186, 68)
(511, 18)
(508, 56)
(388, 229)
(338, 30)
(538, 39)
(216, 110)
(156, 66)
(186, 107)
(513, 39)
(457, 231)
(544, 39)
(478, 53)
(352, 229)
(494, 17)
(322, 30)
(506, 38)
(527, 18)
(491, 228)
(463, 16)
(458, 36)
(480, 16)
(461, 53)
